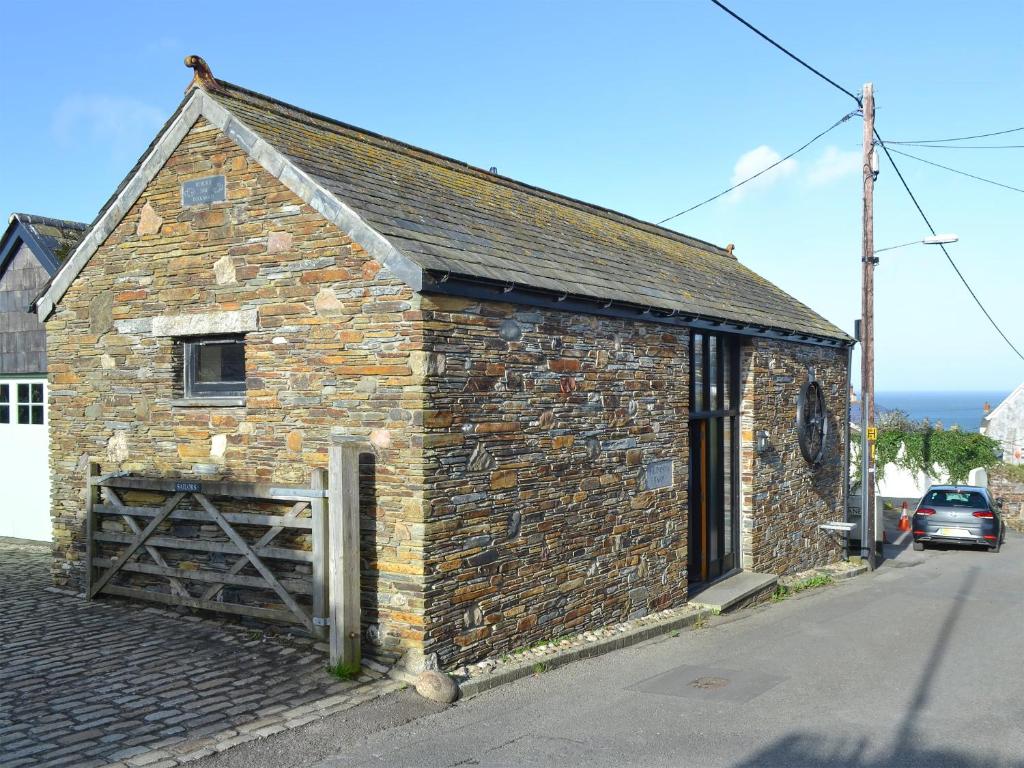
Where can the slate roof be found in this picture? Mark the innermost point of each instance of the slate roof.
(454, 220)
(51, 240)
(58, 237)
(450, 217)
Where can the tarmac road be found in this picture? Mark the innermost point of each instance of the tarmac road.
(916, 664)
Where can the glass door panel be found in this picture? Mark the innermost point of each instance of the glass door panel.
(714, 423)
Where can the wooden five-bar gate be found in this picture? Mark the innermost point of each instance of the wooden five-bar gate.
(242, 548)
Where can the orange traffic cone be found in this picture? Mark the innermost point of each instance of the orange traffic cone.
(904, 520)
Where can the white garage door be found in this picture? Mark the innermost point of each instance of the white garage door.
(24, 460)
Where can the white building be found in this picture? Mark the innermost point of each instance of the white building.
(1005, 423)
(31, 249)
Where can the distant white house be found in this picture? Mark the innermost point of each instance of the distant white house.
(1005, 423)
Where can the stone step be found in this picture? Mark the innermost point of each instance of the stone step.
(736, 591)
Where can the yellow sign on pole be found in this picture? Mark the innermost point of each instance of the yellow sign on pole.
(872, 433)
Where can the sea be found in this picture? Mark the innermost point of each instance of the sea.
(962, 409)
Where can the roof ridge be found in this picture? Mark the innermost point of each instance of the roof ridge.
(440, 159)
(35, 218)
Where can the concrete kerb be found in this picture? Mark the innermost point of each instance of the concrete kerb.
(848, 574)
(173, 752)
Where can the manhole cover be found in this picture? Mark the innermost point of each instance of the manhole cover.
(709, 683)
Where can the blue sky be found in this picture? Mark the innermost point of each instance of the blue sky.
(645, 107)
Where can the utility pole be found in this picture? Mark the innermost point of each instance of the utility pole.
(867, 334)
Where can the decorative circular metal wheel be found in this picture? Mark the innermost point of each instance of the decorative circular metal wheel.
(812, 422)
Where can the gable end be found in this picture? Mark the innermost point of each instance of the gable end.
(200, 104)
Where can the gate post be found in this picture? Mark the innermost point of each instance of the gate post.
(343, 551)
(91, 497)
(321, 535)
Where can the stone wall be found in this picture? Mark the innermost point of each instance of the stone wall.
(540, 424)
(783, 498)
(1010, 489)
(336, 350)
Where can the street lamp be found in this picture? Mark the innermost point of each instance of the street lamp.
(930, 240)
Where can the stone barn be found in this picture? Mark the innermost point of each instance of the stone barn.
(576, 417)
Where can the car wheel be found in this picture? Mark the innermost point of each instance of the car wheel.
(919, 546)
(995, 548)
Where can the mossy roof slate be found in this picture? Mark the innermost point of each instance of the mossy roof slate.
(58, 236)
(453, 219)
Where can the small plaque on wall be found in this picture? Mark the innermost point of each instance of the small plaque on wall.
(203, 191)
(659, 474)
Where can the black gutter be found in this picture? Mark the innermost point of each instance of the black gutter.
(494, 290)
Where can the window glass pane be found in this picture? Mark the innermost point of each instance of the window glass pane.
(727, 375)
(5, 393)
(727, 484)
(714, 342)
(220, 362)
(37, 393)
(698, 372)
(37, 414)
(5, 414)
(23, 413)
(23, 393)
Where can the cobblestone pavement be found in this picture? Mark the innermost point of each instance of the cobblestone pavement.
(90, 683)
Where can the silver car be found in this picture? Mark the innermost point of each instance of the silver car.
(958, 514)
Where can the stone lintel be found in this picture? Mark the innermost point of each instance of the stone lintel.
(205, 323)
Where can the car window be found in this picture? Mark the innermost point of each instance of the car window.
(954, 498)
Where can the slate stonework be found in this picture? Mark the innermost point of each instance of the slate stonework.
(336, 351)
(539, 426)
(783, 498)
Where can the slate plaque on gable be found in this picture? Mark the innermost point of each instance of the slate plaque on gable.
(659, 474)
(203, 191)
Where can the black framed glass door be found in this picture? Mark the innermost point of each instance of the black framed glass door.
(714, 456)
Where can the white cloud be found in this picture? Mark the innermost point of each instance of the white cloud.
(756, 160)
(124, 125)
(833, 164)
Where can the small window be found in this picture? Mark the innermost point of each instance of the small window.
(31, 403)
(214, 367)
(5, 403)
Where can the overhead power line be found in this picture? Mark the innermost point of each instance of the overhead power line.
(949, 258)
(888, 155)
(789, 53)
(953, 170)
(959, 138)
(779, 162)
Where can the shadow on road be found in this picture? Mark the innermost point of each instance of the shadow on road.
(910, 747)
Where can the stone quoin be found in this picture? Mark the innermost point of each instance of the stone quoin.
(561, 400)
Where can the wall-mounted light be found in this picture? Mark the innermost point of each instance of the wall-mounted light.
(761, 441)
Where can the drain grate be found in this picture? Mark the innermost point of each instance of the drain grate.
(709, 683)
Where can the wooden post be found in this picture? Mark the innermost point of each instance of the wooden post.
(867, 348)
(343, 503)
(321, 534)
(91, 497)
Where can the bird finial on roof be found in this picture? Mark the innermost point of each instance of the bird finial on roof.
(203, 77)
(730, 248)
